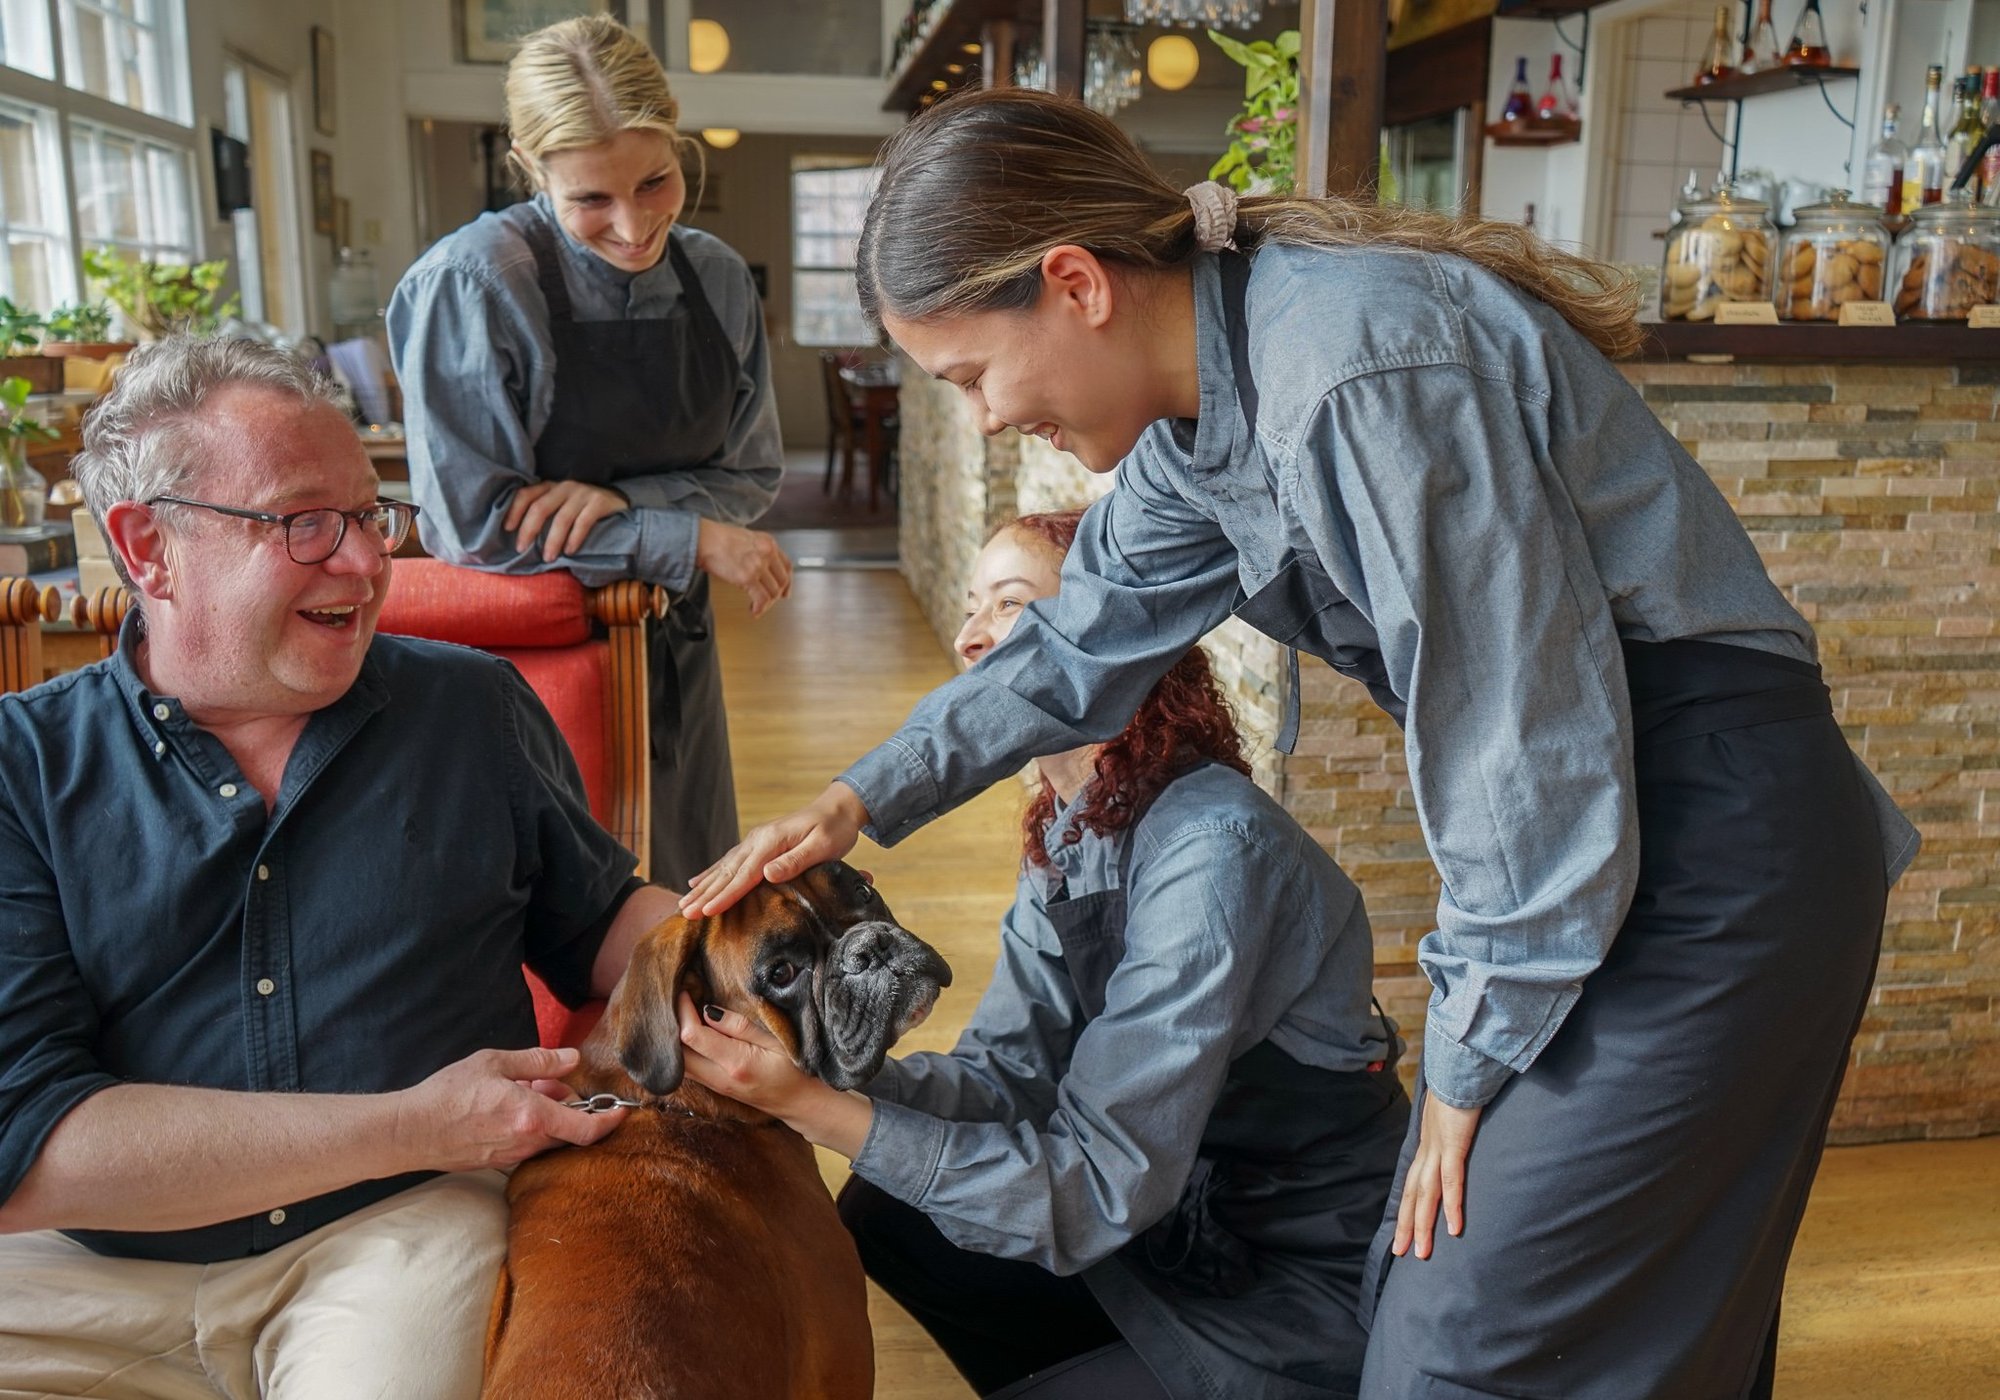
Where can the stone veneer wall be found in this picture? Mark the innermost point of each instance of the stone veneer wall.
(1870, 491)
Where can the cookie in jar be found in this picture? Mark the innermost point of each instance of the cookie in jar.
(1836, 253)
(1721, 251)
(1947, 261)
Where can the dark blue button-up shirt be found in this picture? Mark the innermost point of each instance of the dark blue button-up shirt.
(431, 834)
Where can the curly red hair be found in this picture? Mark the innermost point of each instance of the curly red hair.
(1184, 720)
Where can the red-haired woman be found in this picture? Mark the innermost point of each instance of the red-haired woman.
(1153, 1162)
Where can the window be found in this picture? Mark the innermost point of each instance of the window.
(828, 204)
(31, 220)
(127, 52)
(95, 142)
(257, 111)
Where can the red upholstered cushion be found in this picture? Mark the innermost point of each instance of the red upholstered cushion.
(429, 598)
(556, 1024)
(574, 682)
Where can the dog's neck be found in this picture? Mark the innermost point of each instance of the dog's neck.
(600, 1073)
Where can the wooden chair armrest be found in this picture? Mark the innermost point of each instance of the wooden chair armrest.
(623, 608)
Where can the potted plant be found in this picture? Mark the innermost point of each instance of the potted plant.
(1264, 136)
(83, 328)
(24, 493)
(20, 334)
(159, 299)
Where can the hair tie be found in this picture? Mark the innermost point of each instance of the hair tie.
(1214, 207)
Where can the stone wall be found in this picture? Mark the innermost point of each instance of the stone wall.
(1870, 492)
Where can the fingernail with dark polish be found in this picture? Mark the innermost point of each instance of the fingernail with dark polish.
(713, 1013)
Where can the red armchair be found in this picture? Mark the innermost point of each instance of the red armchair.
(583, 650)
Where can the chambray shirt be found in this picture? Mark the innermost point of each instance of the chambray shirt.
(1497, 505)
(1043, 1138)
(469, 334)
(431, 833)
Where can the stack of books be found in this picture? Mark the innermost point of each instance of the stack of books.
(51, 545)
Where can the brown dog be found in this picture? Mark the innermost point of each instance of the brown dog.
(695, 1251)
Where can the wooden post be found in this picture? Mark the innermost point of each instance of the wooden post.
(996, 53)
(1342, 56)
(1062, 41)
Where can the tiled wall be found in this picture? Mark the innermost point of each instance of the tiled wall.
(1871, 493)
(1658, 143)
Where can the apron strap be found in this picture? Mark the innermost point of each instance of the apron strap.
(548, 270)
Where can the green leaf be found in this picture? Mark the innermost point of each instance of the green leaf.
(1288, 43)
(1235, 49)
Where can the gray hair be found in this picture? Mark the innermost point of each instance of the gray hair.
(141, 439)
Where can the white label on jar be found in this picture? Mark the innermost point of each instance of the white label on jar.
(1984, 318)
(1746, 313)
(1867, 313)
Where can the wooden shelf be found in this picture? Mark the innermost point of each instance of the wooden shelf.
(1757, 84)
(1825, 343)
(1560, 132)
(959, 24)
(1545, 9)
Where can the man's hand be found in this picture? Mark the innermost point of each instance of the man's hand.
(568, 510)
(780, 850)
(750, 559)
(1437, 1176)
(493, 1109)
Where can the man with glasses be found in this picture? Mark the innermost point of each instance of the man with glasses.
(267, 880)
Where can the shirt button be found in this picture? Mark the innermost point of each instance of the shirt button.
(265, 986)
(263, 872)
(159, 746)
(161, 712)
(227, 789)
(277, 1217)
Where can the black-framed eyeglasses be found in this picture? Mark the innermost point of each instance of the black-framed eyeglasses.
(312, 536)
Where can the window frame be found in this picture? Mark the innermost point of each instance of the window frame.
(71, 105)
(808, 165)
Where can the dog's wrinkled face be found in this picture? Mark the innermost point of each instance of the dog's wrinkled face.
(819, 962)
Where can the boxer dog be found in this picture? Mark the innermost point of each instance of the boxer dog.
(695, 1252)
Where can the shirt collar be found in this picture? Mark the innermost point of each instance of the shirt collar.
(1220, 434)
(156, 715)
(659, 279)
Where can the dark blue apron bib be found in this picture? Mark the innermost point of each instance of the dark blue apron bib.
(1247, 1289)
(638, 398)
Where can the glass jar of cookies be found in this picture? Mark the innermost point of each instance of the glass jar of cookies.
(1836, 253)
(1721, 251)
(1947, 261)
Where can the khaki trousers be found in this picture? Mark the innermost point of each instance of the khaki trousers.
(390, 1302)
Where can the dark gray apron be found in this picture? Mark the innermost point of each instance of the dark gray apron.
(1247, 1289)
(1632, 1198)
(637, 398)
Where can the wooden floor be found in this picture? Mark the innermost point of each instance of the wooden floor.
(1895, 1287)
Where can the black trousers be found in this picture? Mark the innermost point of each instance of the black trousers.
(1012, 1329)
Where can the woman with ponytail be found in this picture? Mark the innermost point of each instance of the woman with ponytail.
(1153, 1163)
(1394, 440)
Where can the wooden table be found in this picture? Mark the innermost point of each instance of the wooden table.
(873, 387)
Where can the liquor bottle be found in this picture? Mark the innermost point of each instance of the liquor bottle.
(1718, 60)
(1965, 131)
(1519, 100)
(1882, 176)
(1761, 51)
(1926, 167)
(1989, 116)
(1808, 46)
(1556, 103)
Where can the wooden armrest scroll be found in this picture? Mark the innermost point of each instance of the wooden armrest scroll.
(623, 608)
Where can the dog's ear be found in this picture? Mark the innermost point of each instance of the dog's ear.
(664, 963)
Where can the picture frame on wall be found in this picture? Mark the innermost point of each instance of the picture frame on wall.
(325, 109)
(322, 191)
(489, 30)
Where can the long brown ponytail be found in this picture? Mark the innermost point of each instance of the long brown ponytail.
(977, 189)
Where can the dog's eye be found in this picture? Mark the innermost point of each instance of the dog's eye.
(867, 894)
(782, 975)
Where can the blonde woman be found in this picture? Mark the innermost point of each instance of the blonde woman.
(1393, 440)
(587, 387)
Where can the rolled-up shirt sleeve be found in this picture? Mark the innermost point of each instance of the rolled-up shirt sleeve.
(1008, 1059)
(1519, 727)
(1149, 575)
(1115, 1154)
(48, 1021)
